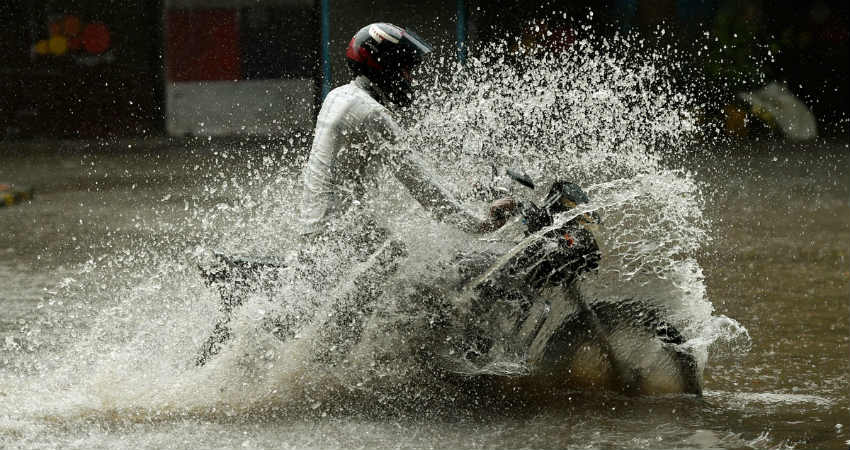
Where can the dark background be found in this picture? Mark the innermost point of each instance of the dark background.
(121, 92)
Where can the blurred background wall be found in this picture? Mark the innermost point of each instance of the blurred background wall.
(99, 68)
(80, 68)
(239, 66)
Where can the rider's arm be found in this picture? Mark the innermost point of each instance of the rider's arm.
(411, 174)
(432, 198)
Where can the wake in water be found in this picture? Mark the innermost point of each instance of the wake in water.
(123, 334)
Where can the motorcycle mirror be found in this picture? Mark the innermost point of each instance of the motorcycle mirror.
(521, 178)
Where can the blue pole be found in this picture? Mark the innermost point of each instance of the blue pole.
(326, 57)
(461, 31)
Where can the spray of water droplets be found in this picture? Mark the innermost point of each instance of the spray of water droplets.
(603, 114)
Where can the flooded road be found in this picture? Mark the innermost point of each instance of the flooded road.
(107, 217)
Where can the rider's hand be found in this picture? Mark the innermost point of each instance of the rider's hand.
(500, 211)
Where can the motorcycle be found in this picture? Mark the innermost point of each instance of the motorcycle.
(512, 310)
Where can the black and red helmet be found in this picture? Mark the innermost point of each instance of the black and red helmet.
(386, 54)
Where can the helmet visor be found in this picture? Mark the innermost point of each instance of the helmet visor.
(421, 45)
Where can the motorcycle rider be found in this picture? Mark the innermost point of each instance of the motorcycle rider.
(355, 134)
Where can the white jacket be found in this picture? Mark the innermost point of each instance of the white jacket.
(354, 137)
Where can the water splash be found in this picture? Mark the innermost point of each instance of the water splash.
(604, 114)
(613, 121)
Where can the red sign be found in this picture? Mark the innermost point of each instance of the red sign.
(203, 45)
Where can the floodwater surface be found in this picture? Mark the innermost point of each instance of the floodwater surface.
(81, 263)
(742, 246)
